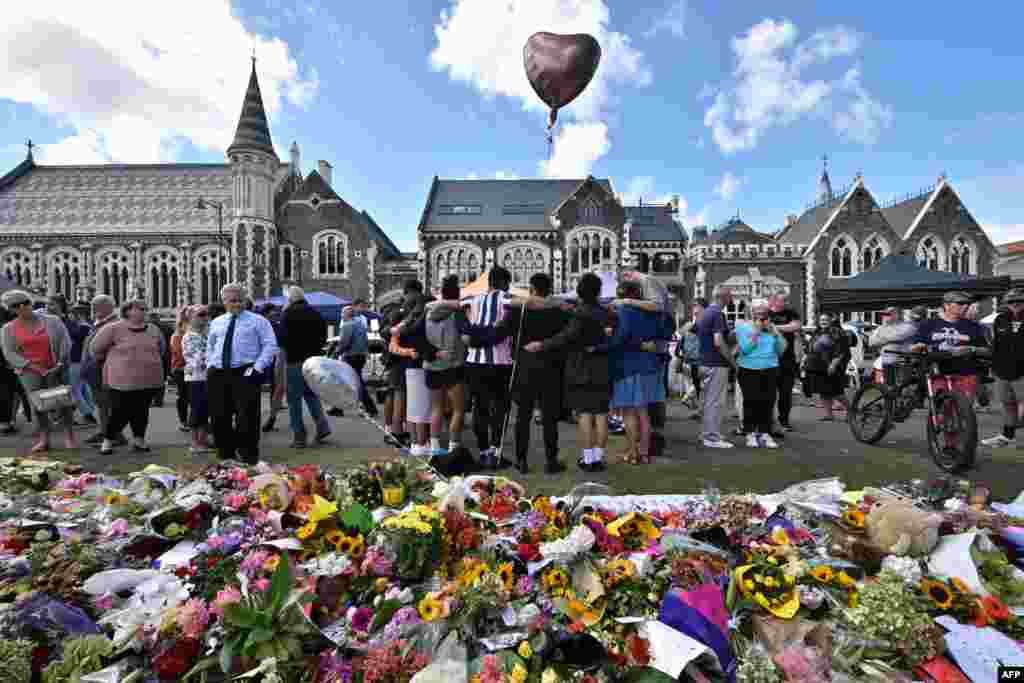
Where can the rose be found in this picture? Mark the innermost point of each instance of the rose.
(175, 661)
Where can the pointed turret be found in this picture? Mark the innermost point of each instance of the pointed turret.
(825, 184)
(253, 132)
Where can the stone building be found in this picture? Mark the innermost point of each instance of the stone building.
(1011, 261)
(839, 236)
(141, 229)
(561, 227)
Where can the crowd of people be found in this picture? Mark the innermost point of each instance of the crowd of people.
(446, 358)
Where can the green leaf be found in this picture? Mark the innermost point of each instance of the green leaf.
(239, 615)
(384, 613)
(646, 674)
(280, 585)
(227, 654)
(358, 516)
(257, 636)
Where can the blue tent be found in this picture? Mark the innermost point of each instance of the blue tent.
(328, 305)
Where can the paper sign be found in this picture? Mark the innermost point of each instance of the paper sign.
(672, 650)
(285, 544)
(980, 651)
(952, 558)
(179, 555)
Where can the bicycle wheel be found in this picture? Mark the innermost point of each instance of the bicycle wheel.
(953, 437)
(870, 414)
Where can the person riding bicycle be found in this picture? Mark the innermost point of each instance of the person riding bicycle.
(1008, 366)
(952, 332)
(893, 334)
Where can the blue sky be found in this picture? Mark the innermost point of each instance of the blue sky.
(726, 104)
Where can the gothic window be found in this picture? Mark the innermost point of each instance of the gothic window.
(113, 273)
(873, 253)
(210, 273)
(928, 254)
(330, 248)
(66, 273)
(960, 256)
(17, 265)
(287, 262)
(842, 258)
(585, 245)
(591, 212)
(461, 259)
(606, 250)
(590, 249)
(665, 263)
(574, 256)
(523, 260)
(163, 268)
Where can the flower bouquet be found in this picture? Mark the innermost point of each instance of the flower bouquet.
(417, 539)
(954, 598)
(177, 522)
(763, 582)
(393, 482)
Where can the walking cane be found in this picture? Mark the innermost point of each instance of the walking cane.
(511, 382)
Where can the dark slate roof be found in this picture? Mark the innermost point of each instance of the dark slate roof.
(738, 232)
(901, 215)
(17, 172)
(809, 224)
(502, 203)
(654, 224)
(314, 184)
(253, 132)
(378, 235)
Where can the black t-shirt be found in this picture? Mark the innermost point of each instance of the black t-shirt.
(1008, 346)
(784, 317)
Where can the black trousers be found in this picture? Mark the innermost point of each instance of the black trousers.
(786, 381)
(129, 408)
(759, 390)
(548, 397)
(695, 378)
(235, 413)
(488, 385)
(358, 362)
(181, 403)
(8, 396)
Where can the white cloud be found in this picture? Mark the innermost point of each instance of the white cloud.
(577, 148)
(646, 188)
(729, 186)
(866, 117)
(480, 42)
(769, 88)
(673, 20)
(1001, 233)
(134, 80)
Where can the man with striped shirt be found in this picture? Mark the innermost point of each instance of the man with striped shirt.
(489, 369)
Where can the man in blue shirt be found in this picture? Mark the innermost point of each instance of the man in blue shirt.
(716, 360)
(241, 347)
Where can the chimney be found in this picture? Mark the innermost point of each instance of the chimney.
(296, 159)
(791, 219)
(325, 171)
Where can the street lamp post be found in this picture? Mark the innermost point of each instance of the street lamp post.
(207, 204)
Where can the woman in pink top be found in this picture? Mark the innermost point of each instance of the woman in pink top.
(37, 346)
(131, 353)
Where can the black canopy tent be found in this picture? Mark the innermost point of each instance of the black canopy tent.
(898, 280)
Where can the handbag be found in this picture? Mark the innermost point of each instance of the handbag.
(52, 398)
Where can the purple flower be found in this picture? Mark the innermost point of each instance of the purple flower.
(524, 586)
(362, 619)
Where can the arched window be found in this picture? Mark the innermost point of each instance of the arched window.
(331, 250)
(113, 272)
(589, 249)
(287, 262)
(606, 250)
(873, 253)
(842, 258)
(737, 310)
(585, 246)
(523, 260)
(205, 271)
(456, 258)
(574, 256)
(960, 255)
(17, 264)
(163, 268)
(928, 254)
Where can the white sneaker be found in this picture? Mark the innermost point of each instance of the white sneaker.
(718, 443)
(418, 451)
(767, 441)
(752, 441)
(998, 441)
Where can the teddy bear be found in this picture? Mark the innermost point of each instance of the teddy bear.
(897, 527)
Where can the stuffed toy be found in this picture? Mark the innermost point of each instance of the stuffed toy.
(899, 528)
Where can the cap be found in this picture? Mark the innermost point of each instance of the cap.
(918, 312)
(957, 298)
(891, 309)
(1014, 296)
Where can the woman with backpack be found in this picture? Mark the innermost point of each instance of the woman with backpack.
(825, 364)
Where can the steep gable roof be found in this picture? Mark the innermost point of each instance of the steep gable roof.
(253, 131)
(654, 223)
(857, 185)
(314, 184)
(902, 214)
(497, 203)
(809, 224)
(380, 237)
(738, 232)
(17, 172)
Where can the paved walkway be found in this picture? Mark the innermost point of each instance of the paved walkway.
(816, 449)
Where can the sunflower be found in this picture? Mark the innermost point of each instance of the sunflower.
(472, 573)
(556, 581)
(271, 564)
(524, 650)
(334, 537)
(358, 547)
(853, 599)
(822, 574)
(845, 580)
(854, 518)
(959, 586)
(938, 592)
(306, 530)
(307, 555)
(507, 574)
(620, 569)
(345, 544)
(779, 536)
(430, 609)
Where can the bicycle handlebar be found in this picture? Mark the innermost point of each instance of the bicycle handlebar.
(976, 351)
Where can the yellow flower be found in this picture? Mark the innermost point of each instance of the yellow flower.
(381, 584)
(853, 599)
(524, 649)
(632, 524)
(345, 544)
(334, 537)
(358, 547)
(322, 509)
(959, 585)
(770, 582)
(779, 536)
(748, 585)
(549, 676)
(271, 564)
(556, 581)
(822, 573)
(845, 580)
(507, 575)
(115, 499)
(472, 573)
(854, 518)
(430, 609)
(518, 674)
(620, 569)
(938, 592)
(306, 530)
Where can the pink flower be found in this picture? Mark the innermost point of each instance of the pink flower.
(228, 596)
(119, 527)
(261, 585)
(193, 618)
(215, 542)
(254, 562)
(257, 515)
(377, 563)
(104, 602)
(361, 619)
(524, 586)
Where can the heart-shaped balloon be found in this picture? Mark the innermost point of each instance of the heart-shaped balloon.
(560, 67)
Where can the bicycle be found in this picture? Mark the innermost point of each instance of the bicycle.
(918, 381)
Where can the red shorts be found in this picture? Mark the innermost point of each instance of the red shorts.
(961, 384)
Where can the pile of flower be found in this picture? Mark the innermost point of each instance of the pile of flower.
(387, 575)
